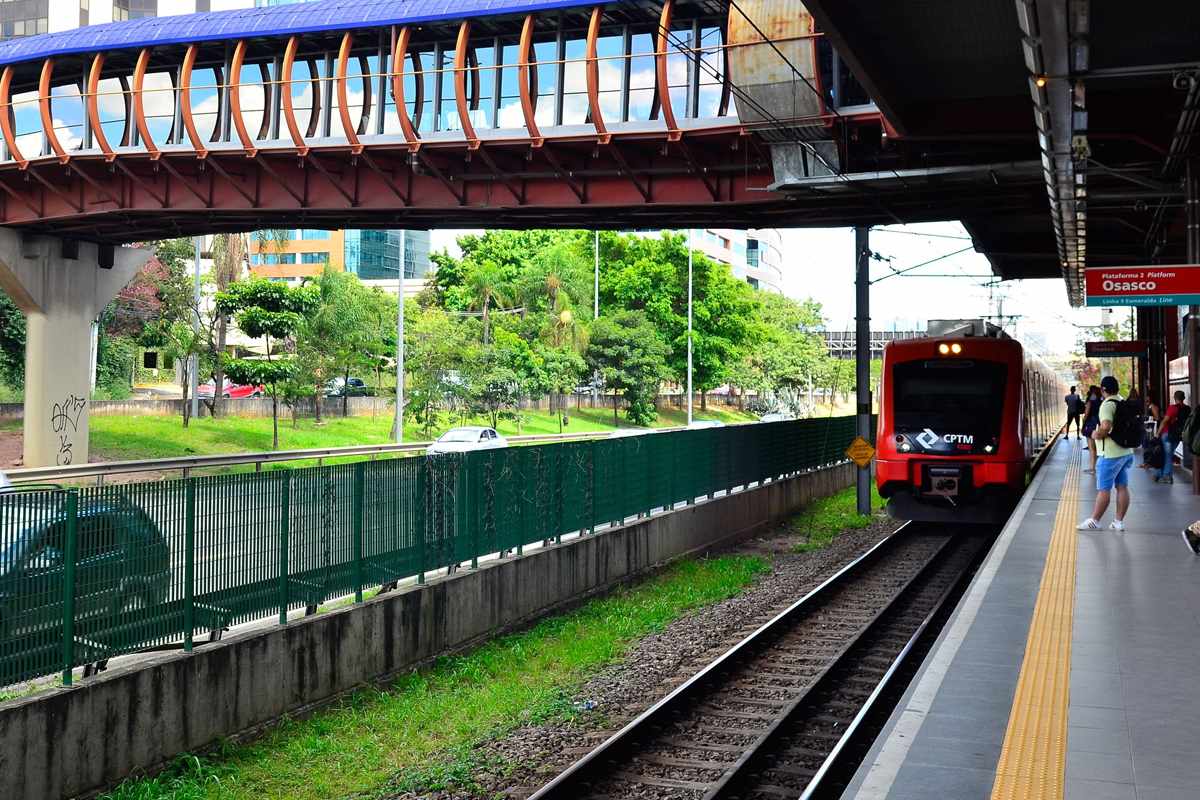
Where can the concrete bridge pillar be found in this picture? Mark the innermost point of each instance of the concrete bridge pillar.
(61, 286)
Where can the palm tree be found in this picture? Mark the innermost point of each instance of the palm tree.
(485, 283)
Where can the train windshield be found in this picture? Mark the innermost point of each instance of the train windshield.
(949, 405)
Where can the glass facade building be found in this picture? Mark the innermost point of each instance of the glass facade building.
(375, 255)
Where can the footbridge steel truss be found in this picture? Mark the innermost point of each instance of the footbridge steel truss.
(387, 114)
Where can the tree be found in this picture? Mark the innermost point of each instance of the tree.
(631, 358)
(180, 340)
(485, 287)
(436, 346)
(562, 370)
(650, 275)
(270, 311)
(228, 259)
(341, 334)
(12, 343)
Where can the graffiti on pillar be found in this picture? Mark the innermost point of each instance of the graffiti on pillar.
(64, 419)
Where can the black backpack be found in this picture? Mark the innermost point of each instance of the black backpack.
(1128, 430)
(1075, 404)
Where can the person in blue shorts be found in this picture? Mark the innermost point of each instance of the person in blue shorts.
(1112, 466)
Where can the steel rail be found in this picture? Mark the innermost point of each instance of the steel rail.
(875, 701)
(567, 785)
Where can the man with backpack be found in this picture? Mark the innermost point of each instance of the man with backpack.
(1074, 411)
(1170, 430)
(1120, 432)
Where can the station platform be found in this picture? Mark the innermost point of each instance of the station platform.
(1068, 668)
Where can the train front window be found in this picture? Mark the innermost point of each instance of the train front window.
(948, 405)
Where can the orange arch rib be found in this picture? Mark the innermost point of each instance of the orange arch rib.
(6, 119)
(235, 99)
(185, 102)
(660, 58)
(593, 76)
(139, 107)
(523, 80)
(93, 107)
(47, 114)
(460, 83)
(343, 67)
(285, 87)
(399, 53)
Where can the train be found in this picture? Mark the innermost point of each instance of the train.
(964, 413)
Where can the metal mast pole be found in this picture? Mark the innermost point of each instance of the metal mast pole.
(596, 312)
(1192, 197)
(689, 353)
(862, 355)
(400, 342)
(195, 358)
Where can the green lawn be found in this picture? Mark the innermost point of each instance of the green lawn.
(820, 522)
(420, 733)
(120, 438)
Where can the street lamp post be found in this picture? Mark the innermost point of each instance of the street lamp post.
(400, 343)
(596, 312)
(689, 352)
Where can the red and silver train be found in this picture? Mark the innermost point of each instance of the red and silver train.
(961, 419)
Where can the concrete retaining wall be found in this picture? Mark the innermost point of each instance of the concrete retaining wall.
(78, 740)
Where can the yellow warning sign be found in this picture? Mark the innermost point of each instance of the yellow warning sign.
(860, 451)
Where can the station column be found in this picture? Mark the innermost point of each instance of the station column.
(61, 286)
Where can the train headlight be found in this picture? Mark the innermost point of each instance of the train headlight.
(944, 349)
(956, 348)
(987, 448)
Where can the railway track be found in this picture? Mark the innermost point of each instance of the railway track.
(774, 716)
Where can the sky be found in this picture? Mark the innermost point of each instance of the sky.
(819, 264)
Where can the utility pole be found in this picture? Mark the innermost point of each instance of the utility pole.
(596, 312)
(689, 353)
(400, 342)
(195, 357)
(862, 355)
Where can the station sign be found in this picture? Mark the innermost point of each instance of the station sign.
(1154, 285)
(1133, 348)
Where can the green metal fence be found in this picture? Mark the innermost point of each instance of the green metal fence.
(87, 574)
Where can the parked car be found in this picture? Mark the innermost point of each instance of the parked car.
(777, 416)
(122, 561)
(705, 423)
(230, 391)
(355, 387)
(470, 437)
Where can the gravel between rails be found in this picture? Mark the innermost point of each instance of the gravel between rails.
(520, 762)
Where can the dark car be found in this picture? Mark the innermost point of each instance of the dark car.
(355, 387)
(122, 560)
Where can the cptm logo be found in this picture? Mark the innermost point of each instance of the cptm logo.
(928, 439)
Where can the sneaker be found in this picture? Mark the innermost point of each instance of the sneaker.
(1192, 540)
(1088, 524)
(1167, 479)
(1116, 525)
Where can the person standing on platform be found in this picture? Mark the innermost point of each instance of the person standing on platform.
(1170, 429)
(1091, 419)
(1112, 467)
(1074, 411)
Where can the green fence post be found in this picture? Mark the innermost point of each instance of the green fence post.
(468, 513)
(285, 521)
(422, 528)
(592, 479)
(360, 479)
(189, 564)
(70, 550)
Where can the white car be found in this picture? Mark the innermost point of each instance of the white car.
(469, 437)
(705, 423)
(621, 433)
(777, 416)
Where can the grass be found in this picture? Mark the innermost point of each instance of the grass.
(421, 732)
(120, 438)
(822, 521)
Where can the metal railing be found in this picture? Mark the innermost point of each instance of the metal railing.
(87, 574)
(186, 465)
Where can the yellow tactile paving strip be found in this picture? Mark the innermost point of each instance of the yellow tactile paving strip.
(1033, 760)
